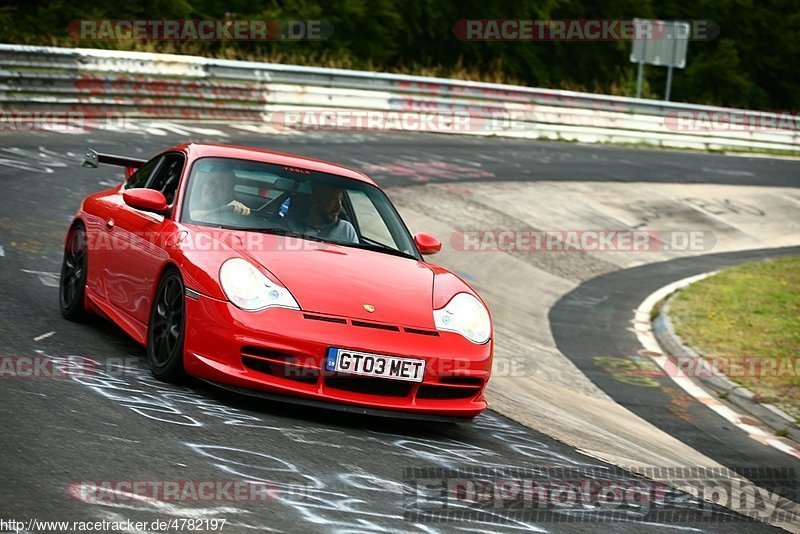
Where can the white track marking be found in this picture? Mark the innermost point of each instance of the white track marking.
(263, 128)
(48, 279)
(2, 251)
(644, 333)
(44, 336)
(57, 128)
(726, 172)
(756, 155)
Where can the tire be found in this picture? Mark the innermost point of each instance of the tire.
(166, 329)
(74, 269)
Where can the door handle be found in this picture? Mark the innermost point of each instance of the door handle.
(110, 224)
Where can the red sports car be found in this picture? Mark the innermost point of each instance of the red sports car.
(278, 276)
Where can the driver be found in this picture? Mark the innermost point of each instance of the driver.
(320, 217)
(216, 195)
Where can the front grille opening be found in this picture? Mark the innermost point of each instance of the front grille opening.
(421, 332)
(370, 386)
(461, 380)
(446, 392)
(378, 326)
(289, 368)
(324, 319)
(282, 370)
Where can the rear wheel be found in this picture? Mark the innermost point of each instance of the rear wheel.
(72, 284)
(166, 329)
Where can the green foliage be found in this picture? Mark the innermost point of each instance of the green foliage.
(752, 63)
(719, 76)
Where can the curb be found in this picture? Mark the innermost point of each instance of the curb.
(741, 397)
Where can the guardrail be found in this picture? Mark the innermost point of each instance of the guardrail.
(96, 83)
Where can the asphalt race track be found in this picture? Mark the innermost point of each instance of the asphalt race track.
(329, 472)
(589, 336)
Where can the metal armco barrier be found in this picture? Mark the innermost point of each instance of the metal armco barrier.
(137, 85)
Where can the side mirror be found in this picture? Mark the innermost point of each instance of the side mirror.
(427, 244)
(145, 200)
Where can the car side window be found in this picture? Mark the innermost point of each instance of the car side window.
(141, 177)
(370, 222)
(168, 175)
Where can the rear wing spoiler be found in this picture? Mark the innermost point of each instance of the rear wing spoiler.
(93, 159)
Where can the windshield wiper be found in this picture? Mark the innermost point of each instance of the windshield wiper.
(380, 248)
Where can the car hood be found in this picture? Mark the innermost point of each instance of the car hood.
(346, 281)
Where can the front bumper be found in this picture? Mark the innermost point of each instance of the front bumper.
(282, 352)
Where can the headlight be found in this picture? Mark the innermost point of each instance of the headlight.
(248, 289)
(465, 315)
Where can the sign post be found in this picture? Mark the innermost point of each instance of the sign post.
(640, 72)
(661, 43)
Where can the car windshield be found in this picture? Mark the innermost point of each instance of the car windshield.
(264, 197)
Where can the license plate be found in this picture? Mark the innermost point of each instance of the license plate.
(367, 364)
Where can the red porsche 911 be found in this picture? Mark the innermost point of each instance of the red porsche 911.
(278, 276)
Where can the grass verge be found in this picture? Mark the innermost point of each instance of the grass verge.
(746, 319)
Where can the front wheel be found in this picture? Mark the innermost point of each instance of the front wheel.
(72, 284)
(165, 332)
